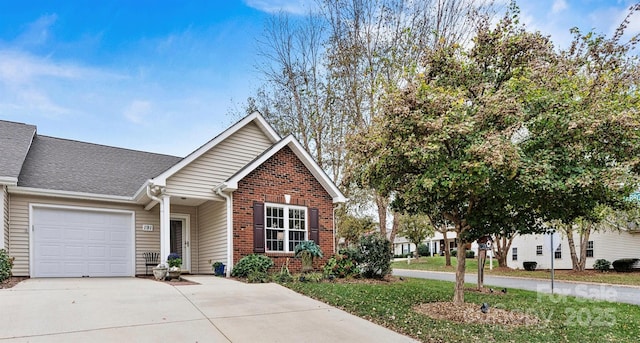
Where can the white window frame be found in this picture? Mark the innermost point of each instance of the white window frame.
(539, 250)
(287, 229)
(514, 254)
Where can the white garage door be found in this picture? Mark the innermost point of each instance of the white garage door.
(77, 242)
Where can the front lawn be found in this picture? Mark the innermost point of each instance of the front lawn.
(565, 319)
(437, 263)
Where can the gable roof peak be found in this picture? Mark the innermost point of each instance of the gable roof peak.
(254, 117)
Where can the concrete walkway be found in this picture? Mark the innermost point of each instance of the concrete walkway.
(140, 310)
(613, 293)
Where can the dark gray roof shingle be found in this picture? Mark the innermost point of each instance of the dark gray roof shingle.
(15, 139)
(67, 165)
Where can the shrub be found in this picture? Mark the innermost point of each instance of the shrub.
(624, 265)
(454, 252)
(602, 265)
(529, 265)
(6, 263)
(340, 266)
(352, 254)
(470, 254)
(284, 275)
(174, 260)
(253, 263)
(255, 276)
(376, 255)
(310, 277)
(423, 250)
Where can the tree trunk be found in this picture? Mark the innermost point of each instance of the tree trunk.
(394, 230)
(381, 203)
(572, 248)
(584, 239)
(501, 249)
(447, 253)
(458, 295)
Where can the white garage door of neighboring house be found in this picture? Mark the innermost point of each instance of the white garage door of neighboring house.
(69, 242)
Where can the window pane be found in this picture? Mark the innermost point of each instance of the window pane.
(295, 238)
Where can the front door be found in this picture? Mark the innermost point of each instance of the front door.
(179, 239)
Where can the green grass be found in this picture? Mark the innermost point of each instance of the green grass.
(437, 263)
(390, 305)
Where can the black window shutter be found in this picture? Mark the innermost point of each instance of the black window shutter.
(258, 227)
(314, 225)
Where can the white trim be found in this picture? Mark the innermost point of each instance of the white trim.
(186, 237)
(7, 180)
(69, 194)
(303, 155)
(286, 227)
(32, 206)
(161, 180)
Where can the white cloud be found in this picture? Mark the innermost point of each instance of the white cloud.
(559, 6)
(37, 32)
(290, 6)
(137, 111)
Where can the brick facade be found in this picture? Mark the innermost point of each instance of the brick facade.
(283, 173)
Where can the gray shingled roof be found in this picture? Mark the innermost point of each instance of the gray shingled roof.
(14, 145)
(67, 165)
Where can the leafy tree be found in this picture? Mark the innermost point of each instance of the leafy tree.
(501, 132)
(351, 228)
(415, 228)
(445, 140)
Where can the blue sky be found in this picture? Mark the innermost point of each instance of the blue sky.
(162, 76)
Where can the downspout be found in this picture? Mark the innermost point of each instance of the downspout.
(229, 200)
(163, 236)
(151, 196)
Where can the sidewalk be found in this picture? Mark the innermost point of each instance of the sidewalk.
(613, 293)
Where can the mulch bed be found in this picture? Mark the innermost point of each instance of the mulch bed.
(469, 313)
(12, 281)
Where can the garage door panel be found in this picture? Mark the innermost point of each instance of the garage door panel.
(74, 234)
(96, 252)
(96, 235)
(50, 251)
(74, 252)
(71, 243)
(50, 233)
(119, 237)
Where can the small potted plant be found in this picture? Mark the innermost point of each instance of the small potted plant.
(218, 268)
(307, 251)
(174, 262)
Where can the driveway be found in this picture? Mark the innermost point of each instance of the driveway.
(596, 291)
(141, 310)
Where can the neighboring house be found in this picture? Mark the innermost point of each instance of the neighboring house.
(72, 209)
(606, 245)
(435, 243)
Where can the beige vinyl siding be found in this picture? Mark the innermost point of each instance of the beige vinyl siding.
(5, 217)
(212, 235)
(19, 227)
(193, 232)
(197, 179)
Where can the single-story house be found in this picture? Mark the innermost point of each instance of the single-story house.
(608, 245)
(402, 246)
(72, 209)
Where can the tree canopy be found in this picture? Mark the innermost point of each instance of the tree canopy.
(509, 130)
